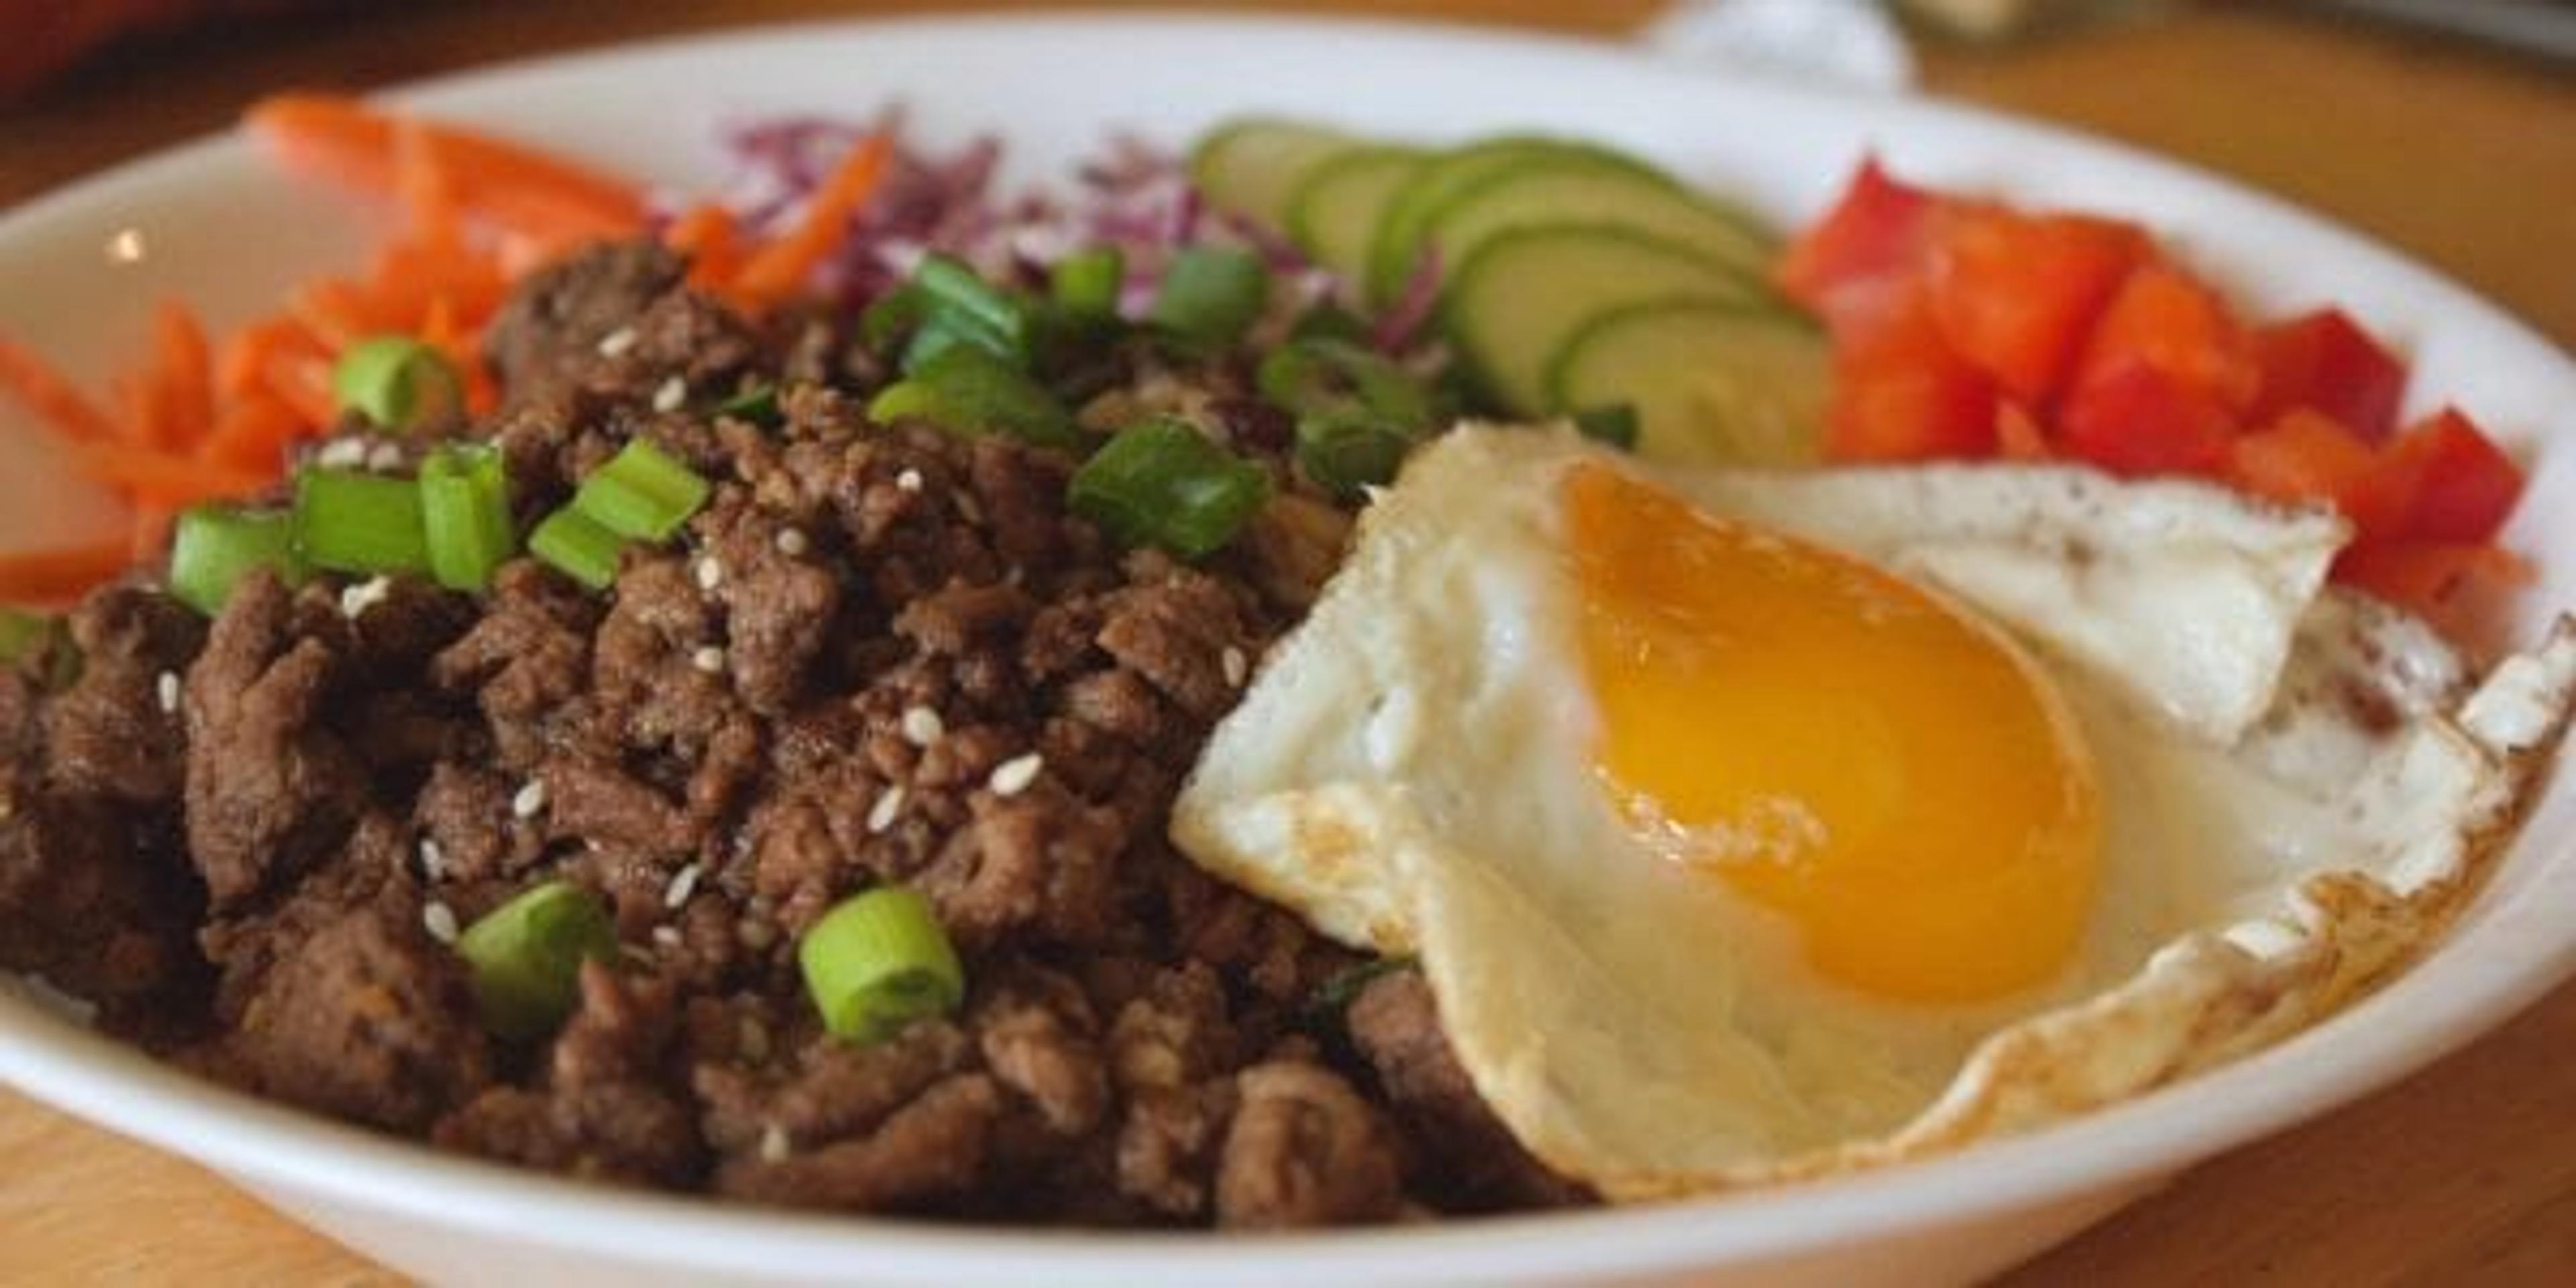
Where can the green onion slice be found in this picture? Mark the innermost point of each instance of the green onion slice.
(953, 292)
(526, 957)
(1615, 424)
(1160, 482)
(465, 514)
(1348, 450)
(759, 406)
(877, 962)
(966, 390)
(348, 521)
(642, 492)
(575, 545)
(1320, 375)
(396, 382)
(1212, 294)
(212, 547)
(1085, 284)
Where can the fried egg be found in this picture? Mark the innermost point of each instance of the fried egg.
(1756, 825)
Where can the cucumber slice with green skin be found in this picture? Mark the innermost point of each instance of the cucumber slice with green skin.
(1512, 307)
(1403, 232)
(1335, 212)
(1251, 165)
(1548, 191)
(1712, 383)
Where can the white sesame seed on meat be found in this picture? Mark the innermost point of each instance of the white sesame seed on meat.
(670, 395)
(439, 920)
(881, 815)
(385, 458)
(909, 480)
(341, 454)
(667, 936)
(710, 573)
(684, 883)
(165, 691)
(530, 799)
(617, 342)
(433, 860)
(792, 542)
(774, 1147)
(1013, 776)
(356, 600)
(1237, 666)
(922, 726)
(709, 659)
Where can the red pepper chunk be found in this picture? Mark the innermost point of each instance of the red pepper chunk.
(2015, 293)
(2465, 589)
(2325, 362)
(1870, 239)
(2140, 420)
(2168, 321)
(2462, 486)
(1900, 394)
(2307, 456)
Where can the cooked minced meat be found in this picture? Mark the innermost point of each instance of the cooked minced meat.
(250, 843)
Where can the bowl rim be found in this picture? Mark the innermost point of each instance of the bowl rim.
(2525, 946)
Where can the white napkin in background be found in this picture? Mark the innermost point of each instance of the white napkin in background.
(1852, 43)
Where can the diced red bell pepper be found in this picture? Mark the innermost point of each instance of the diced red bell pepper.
(2018, 434)
(2464, 589)
(2325, 362)
(2168, 321)
(2462, 486)
(2140, 420)
(1900, 394)
(1873, 234)
(2015, 293)
(2308, 456)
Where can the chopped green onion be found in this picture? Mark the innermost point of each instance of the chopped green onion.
(465, 514)
(642, 492)
(1307, 376)
(1615, 424)
(952, 292)
(941, 334)
(574, 544)
(25, 635)
(1212, 294)
(526, 957)
(347, 521)
(1345, 451)
(877, 962)
(965, 390)
(759, 406)
(213, 547)
(1160, 482)
(892, 316)
(396, 382)
(1085, 284)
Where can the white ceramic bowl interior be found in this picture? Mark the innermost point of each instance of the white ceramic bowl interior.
(214, 224)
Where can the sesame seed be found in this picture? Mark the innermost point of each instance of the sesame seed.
(671, 393)
(530, 800)
(342, 454)
(617, 342)
(636, 954)
(709, 659)
(1236, 666)
(385, 458)
(755, 935)
(791, 542)
(710, 573)
(356, 600)
(922, 726)
(755, 1039)
(439, 920)
(433, 860)
(881, 815)
(967, 509)
(909, 480)
(1013, 776)
(683, 884)
(667, 936)
(165, 690)
(773, 1144)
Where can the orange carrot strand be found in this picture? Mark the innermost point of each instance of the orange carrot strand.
(185, 374)
(776, 270)
(47, 392)
(163, 478)
(53, 574)
(522, 189)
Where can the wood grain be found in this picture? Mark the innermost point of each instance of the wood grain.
(2465, 1173)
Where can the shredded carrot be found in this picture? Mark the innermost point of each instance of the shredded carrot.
(244, 368)
(50, 394)
(164, 477)
(57, 573)
(707, 235)
(427, 191)
(185, 377)
(776, 270)
(342, 139)
(138, 400)
(303, 384)
(253, 435)
(149, 532)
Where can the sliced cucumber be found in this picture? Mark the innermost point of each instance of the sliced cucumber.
(1404, 230)
(1712, 383)
(1249, 166)
(1549, 191)
(1512, 307)
(1335, 212)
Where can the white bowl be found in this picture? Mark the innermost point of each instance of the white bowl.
(217, 226)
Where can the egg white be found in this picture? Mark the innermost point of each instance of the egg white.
(1412, 772)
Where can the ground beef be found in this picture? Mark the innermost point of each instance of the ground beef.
(879, 653)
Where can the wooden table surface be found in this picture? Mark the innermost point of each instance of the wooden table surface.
(2465, 1173)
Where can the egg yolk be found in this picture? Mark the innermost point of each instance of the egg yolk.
(1893, 776)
